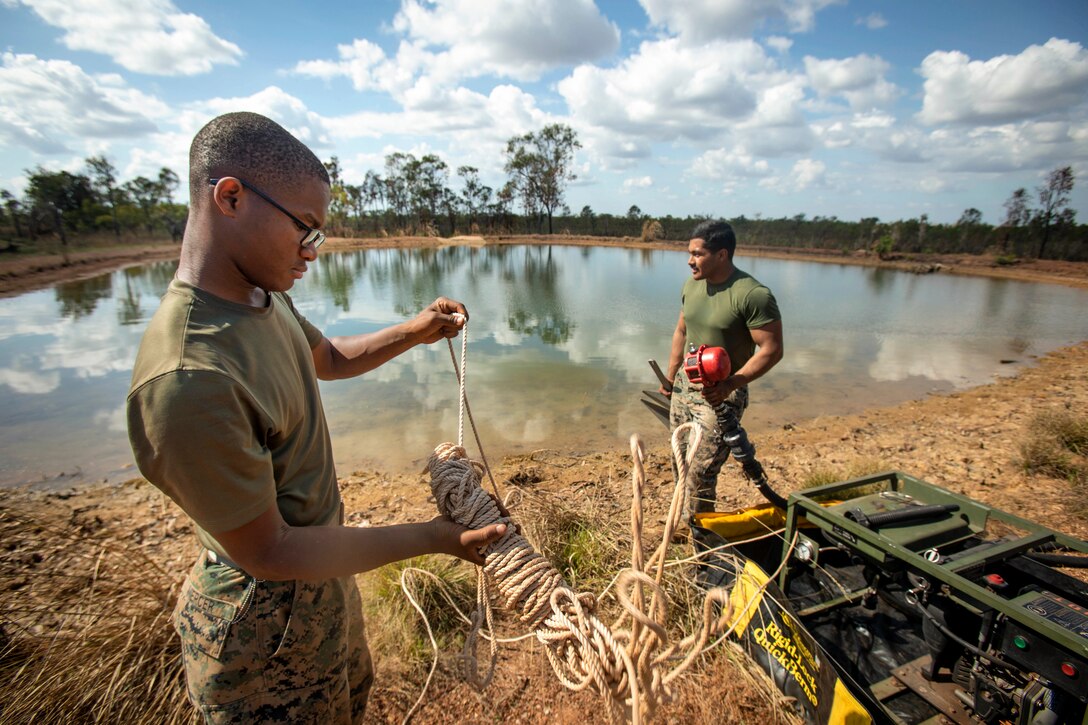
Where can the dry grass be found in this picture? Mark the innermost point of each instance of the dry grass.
(652, 231)
(396, 634)
(581, 537)
(856, 469)
(1057, 446)
(85, 633)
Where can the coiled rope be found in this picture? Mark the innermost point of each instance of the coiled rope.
(632, 667)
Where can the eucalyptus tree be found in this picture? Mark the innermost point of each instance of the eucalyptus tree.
(13, 207)
(147, 194)
(396, 185)
(62, 197)
(426, 179)
(540, 165)
(475, 195)
(104, 176)
(1054, 203)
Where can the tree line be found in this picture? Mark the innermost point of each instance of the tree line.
(413, 196)
(64, 205)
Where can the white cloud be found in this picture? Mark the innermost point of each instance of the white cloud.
(671, 91)
(779, 43)
(699, 21)
(446, 41)
(729, 163)
(873, 21)
(1008, 147)
(512, 39)
(638, 182)
(357, 61)
(150, 36)
(805, 174)
(482, 123)
(273, 102)
(1049, 78)
(48, 102)
(860, 80)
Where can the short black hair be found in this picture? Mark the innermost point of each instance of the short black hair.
(253, 148)
(716, 235)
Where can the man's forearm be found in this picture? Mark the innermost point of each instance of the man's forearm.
(676, 354)
(357, 354)
(323, 552)
(757, 366)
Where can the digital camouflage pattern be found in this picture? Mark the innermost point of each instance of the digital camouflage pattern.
(261, 652)
(688, 404)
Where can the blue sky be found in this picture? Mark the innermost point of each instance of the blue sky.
(848, 108)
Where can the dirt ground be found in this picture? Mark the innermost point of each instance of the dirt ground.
(968, 442)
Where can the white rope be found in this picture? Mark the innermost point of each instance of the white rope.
(631, 668)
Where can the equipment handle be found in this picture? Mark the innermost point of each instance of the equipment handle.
(910, 513)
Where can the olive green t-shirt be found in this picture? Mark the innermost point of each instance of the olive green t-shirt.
(224, 413)
(720, 315)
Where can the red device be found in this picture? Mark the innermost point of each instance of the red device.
(707, 365)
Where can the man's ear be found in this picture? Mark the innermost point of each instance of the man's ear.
(226, 195)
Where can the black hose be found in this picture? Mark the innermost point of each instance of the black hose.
(964, 643)
(745, 453)
(1067, 560)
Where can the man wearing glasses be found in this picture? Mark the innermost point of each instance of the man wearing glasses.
(225, 417)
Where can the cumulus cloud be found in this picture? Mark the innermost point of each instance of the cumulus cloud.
(805, 174)
(638, 182)
(860, 80)
(1049, 78)
(48, 102)
(446, 41)
(873, 21)
(151, 36)
(484, 121)
(728, 163)
(698, 21)
(273, 102)
(671, 91)
(518, 40)
(779, 43)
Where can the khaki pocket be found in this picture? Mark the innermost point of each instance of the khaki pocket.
(202, 622)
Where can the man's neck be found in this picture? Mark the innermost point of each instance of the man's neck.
(203, 269)
(724, 276)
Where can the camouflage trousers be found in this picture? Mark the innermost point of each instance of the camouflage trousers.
(261, 652)
(688, 404)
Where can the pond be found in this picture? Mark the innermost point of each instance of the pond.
(558, 342)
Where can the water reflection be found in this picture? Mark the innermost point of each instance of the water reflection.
(79, 299)
(534, 304)
(558, 343)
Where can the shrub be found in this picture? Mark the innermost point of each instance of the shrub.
(395, 631)
(824, 476)
(1057, 446)
(652, 230)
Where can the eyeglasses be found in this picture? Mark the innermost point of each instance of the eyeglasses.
(313, 237)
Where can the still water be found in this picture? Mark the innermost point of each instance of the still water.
(558, 343)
